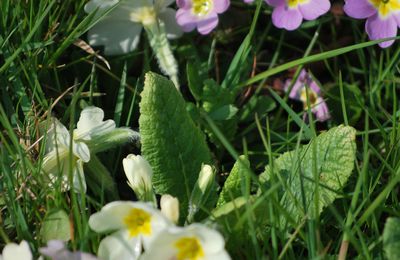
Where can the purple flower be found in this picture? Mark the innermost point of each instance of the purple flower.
(299, 92)
(289, 14)
(56, 250)
(248, 1)
(202, 14)
(383, 17)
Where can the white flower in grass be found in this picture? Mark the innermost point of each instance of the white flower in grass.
(134, 224)
(119, 31)
(56, 250)
(14, 251)
(170, 207)
(139, 173)
(57, 160)
(194, 242)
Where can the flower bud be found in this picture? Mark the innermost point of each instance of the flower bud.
(139, 173)
(170, 207)
(204, 185)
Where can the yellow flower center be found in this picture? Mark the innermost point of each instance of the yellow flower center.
(189, 248)
(202, 7)
(312, 97)
(295, 3)
(145, 15)
(386, 7)
(138, 222)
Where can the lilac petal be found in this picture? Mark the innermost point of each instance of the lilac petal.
(186, 20)
(248, 1)
(314, 8)
(184, 3)
(207, 25)
(221, 6)
(275, 3)
(284, 17)
(379, 29)
(359, 9)
(321, 110)
(397, 17)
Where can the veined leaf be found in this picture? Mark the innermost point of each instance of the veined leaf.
(328, 157)
(391, 238)
(236, 180)
(173, 145)
(56, 225)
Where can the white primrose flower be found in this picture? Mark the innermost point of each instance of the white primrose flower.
(14, 251)
(194, 242)
(57, 160)
(139, 173)
(134, 224)
(170, 207)
(119, 31)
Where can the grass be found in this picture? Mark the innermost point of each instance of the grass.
(43, 73)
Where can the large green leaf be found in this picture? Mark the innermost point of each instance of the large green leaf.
(56, 225)
(173, 145)
(391, 238)
(235, 183)
(313, 175)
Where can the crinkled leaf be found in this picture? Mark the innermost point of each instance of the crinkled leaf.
(56, 226)
(391, 238)
(235, 182)
(225, 112)
(173, 145)
(331, 154)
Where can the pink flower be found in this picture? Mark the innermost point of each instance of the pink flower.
(299, 93)
(289, 14)
(200, 14)
(383, 17)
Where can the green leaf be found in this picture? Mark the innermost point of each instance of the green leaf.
(234, 184)
(195, 82)
(224, 113)
(56, 226)
(391, 238)
(173, 145)
(330, 157)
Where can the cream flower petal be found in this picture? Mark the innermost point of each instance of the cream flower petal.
(120, 246)
(81, 150)
(57, 133)
(208, 243)
(100, 4)
(78, 179)
(111, 217)
(117, 36)
(171, 26)
(91, 123)
(17, 252)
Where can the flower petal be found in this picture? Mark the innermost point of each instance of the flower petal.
(14, 251)
(186, 20)
(359, 9)
(120, 246)
(275, 3)
(378, 28)
(171, 26)
(91, 123)
(208, 24)
(117, 36)
(221, 6)
(284, 17)
(314, 8)
(78, 179)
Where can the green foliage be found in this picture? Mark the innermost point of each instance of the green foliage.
(391, 238)
(234, 185)
(56, 226)
(173, 145)
(313, 175)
